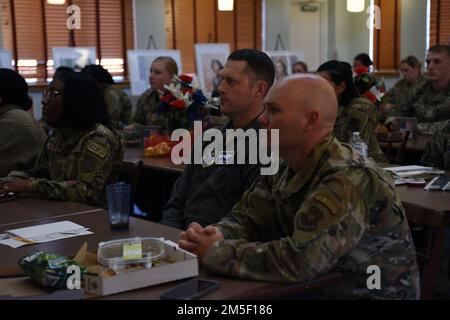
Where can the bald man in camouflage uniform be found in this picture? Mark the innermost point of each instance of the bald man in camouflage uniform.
(360, 116)
(74, 166)
(327, 210)
(430, 101)
(437, 152)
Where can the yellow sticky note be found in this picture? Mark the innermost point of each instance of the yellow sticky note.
(132, 251)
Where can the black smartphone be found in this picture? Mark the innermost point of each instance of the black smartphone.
(7, 197)
(190, 290)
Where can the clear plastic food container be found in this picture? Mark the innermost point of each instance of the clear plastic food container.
(119, 254)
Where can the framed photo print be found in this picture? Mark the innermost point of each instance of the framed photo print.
(283, 62)
(210, 59)
(139, 62)
(74, 57)
(5, 59)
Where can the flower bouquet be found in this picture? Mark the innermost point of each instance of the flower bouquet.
(180, 105)
(368, 85)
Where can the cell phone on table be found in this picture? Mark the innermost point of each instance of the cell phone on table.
(7, 197)
(190, 290)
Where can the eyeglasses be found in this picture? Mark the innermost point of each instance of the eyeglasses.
(51, 93)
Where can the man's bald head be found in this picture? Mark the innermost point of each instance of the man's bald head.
(309, 92)
(303, 108)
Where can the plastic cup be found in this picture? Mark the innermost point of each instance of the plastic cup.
(118, 198)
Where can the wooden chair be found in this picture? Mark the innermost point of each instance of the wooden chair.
(395, 153)
(429, 244)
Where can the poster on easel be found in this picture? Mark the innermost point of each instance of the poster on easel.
(5, 59)
(74, 57)
(210, 59)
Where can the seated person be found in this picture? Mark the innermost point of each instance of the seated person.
(82, 155)
(299, 67)
(118, 105)
(21, 137)
(363, 60)
(355, 114)
(162, 71)
(437, 152)
(206, 194)
(430, 101)
(410, 69)
(327, 210)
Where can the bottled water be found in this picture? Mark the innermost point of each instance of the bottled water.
(358, 144)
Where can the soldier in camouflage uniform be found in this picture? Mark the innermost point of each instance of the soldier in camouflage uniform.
(355, 114)
(82, 155)
(327, 210)
(161, 72)
(430, 101)
(118, 105)
(437, 152)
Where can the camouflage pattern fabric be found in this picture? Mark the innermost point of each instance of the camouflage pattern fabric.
(118, 106)
(360, 116)
(432, 108)
(339, 214)
(146, 109)
(76, 166)
(437, 152)
(399, 93)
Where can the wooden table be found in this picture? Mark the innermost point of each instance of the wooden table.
(135, 154)
(438, 201)
(25, 209)
(98, 223)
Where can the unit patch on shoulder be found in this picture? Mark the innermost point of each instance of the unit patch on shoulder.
(97, 149)
(327, 203)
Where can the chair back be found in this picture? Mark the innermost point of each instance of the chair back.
(429, 243)
(394, 145)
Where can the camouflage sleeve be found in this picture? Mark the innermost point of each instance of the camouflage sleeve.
(443, 109)
(328, 225)
(140, 115)
(114, 105)
(253, 215)
(359, 121)
(434, 152)
(389, 97)
(93, 168)
(126, 109)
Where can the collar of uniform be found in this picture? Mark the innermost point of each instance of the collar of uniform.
(9, 107)
(291, 182)
(70, 136)
(254, 124)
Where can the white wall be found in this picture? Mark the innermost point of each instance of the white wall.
(150, 21)
(414, 28)
(277, 23)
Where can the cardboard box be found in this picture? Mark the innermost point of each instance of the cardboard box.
(185, 267)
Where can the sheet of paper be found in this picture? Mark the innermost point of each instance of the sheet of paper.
(408, 168)
(44, 233)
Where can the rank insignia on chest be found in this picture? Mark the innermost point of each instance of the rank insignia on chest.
(209, 159)
(96, 149)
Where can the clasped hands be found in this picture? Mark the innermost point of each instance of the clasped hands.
(197, 239)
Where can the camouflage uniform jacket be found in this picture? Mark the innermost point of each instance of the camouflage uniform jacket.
(76, 166)
(360, 116)
(401, 91)
(21, 139)
(339, 214)
(432, 108)
(437, 152)
(146, 109)
(118, 106)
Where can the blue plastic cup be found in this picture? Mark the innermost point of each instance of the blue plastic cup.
(118, 198)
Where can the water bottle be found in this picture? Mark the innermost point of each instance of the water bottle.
(358, 144)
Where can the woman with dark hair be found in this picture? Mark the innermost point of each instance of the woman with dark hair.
(362, 60)
(117, 102)
(355, 114)
(21, 137)
(82, 155)
(216, 67)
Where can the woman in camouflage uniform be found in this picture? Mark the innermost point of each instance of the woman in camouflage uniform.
(355, 114)
(82, 155)
(410, 68)
(118, 105)
(161, 72)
